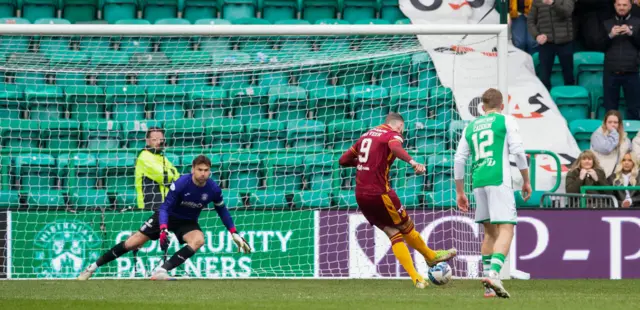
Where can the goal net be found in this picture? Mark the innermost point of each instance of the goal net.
(272, 107)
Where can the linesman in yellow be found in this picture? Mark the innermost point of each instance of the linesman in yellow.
(154, 172)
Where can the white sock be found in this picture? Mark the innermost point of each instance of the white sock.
(92, 267)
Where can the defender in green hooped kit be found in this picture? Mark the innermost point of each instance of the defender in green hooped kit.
(489, 140)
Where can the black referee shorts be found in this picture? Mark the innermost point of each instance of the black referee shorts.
(180, 227)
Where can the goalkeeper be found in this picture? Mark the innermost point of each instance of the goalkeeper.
(179, 214)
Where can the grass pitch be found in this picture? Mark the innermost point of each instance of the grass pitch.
(313, 294)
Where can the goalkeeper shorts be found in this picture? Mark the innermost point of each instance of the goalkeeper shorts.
(180, 227)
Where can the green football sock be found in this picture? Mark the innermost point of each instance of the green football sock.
(497, 260)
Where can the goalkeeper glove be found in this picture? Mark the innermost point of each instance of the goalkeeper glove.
(164, 237)
(242, 244)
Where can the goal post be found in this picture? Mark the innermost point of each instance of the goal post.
(273, 107)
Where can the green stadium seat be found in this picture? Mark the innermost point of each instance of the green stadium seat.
(155, 10)
(428, 136)
(79, 10)
(117, 170)
(427, 75)
(406, 178)
(394, 71)
(294, 48)
(370, 104)
(29, 78)
(35, 171)
(117, 79)
(133, 44)
(269, 199)
(243, 170)
(312, 80)
(7, 9)
(411, 102)
(347, 176)
(45, 102)
(343, 133)
(455, 133)
(9, 199)
(67, 79)
(187, 133)
(110, 58)
(134, 132)
(196, 10)
(441, 199)
(355, 10)
(60, 134)
(86, 102)
(330, 21)
(89, 199)
(225, 133)
(410, 198)
(306, 135)
(440, 178)
(12, 44)
(285, 171)
(213, 44)
(126, 198)
(288, 102)
(345, 200)
(209, 101)
(98, 135)
(313, 10)
(320, 172)
(329, 103)
(572, 101)
(169, 101)
(312, 199)
(234, 82)
(46, 199)
(588, 67)
(278, 10)
(11, 95)
(264, 134)
(632, 128)
(19, 134)
(237, 9)
(268, 80)
(116, 10)
(403, 21)
(35, 10)
(231, 58)
(390, 11)
(177, 44)
(212, 21)
(127, 102)
(355, 75)
(83, 171)
(444, 103)
(232, 198)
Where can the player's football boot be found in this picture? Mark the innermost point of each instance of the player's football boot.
(161, 275)
(421, 284)
(495, 284)
(442, 256)
(85, 275)
(489, 293)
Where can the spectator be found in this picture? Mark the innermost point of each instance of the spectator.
(626, 174)
(585, 171)
(635, 146)
(621, 60)
(550, 23)
(588, 17)
(609, 142)
(518, 10)
(154, 173)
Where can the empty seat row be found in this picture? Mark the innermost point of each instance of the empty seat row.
(152, 10)
(425, 136)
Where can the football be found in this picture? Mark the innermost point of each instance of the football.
(440, 274)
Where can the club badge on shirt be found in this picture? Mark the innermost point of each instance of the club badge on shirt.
(204, 197)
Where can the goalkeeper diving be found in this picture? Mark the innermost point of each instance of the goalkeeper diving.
(178, 214)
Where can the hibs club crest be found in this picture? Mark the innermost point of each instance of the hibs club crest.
(63, 248)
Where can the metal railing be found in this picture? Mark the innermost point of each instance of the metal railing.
(578, 201)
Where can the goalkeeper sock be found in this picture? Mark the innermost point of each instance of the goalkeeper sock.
(497, 260)
(486, 265)
(178, 258)
(415, 241)
(115, 252)
(401, 252)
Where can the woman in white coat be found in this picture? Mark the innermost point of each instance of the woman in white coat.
(610, 142)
